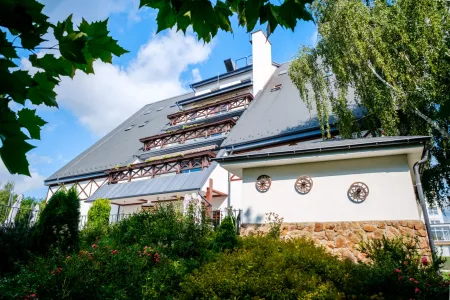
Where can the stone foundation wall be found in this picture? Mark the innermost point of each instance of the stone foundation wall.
(341, 238)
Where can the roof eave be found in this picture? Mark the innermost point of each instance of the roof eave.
(416, 140)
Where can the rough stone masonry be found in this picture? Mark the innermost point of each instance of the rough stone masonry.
(342, 238)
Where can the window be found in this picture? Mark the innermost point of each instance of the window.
(191, 170)
(435, 222)
(433, 211)
(216, 134)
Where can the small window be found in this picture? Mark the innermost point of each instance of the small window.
(276, 87)
(191, 170)
(143, 124)
(433, 211)
(216, 134)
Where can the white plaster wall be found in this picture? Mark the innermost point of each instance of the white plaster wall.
(262, 60)
(84, 208)
(391, 194)
(236, 194)
(220, 183)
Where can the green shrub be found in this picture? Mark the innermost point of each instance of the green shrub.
(98, 214)
(399, 271)
(225, 236)
(15, 243)
(265, 268)
(98, 273)
(58, 222)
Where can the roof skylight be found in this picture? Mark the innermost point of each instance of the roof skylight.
(276, 87)
(143, 124)
(129, 128)
(147, 112)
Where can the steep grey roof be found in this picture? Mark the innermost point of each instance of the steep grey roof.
(119, 146)
(327, 145)
(276, 113)
(160, 185)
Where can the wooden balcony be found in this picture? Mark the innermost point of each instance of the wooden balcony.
(175, 163)
(212, 108)
(187, 133)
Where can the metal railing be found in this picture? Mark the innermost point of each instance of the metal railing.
(11, 216)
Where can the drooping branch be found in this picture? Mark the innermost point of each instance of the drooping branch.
(416, 111)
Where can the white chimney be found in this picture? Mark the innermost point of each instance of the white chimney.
(262, 60)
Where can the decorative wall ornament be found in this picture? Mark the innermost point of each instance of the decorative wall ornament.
(303, 184)
(263, 183)
(358, 192)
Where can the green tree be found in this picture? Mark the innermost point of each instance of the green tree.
(98, 214)
(395, 55)
(58, 223)
(24, 26)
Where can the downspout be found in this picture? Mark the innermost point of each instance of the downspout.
(422, 203)
(229, 191)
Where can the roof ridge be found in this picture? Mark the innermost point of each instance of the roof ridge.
(166, 99)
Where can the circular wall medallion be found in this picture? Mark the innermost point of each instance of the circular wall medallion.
(358, 192)
(303, 184)
(263, 183)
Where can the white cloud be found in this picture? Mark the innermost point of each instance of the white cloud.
(196, 75)
(103, 100)
(23, 184)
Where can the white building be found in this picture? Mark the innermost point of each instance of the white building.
(245, 139)
(440, 230)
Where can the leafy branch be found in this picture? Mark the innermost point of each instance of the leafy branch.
(77, 50)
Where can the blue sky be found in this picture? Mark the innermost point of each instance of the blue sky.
(157, 67)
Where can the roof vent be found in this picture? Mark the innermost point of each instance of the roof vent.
(229, 65)
(276, 87)
(282, 72)
(147, 112)
(161, 108)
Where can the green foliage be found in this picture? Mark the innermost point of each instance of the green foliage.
(225, 236)
(274, 221)
(167, 255)
(395, 55)
(76, 49)
(15, 244)
(98, 214)
(266, 268)
(397, 270)
(58, 222)
(207, 17)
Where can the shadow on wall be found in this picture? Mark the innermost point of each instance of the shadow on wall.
(384, 165)
(248, 215)
(313, 122)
